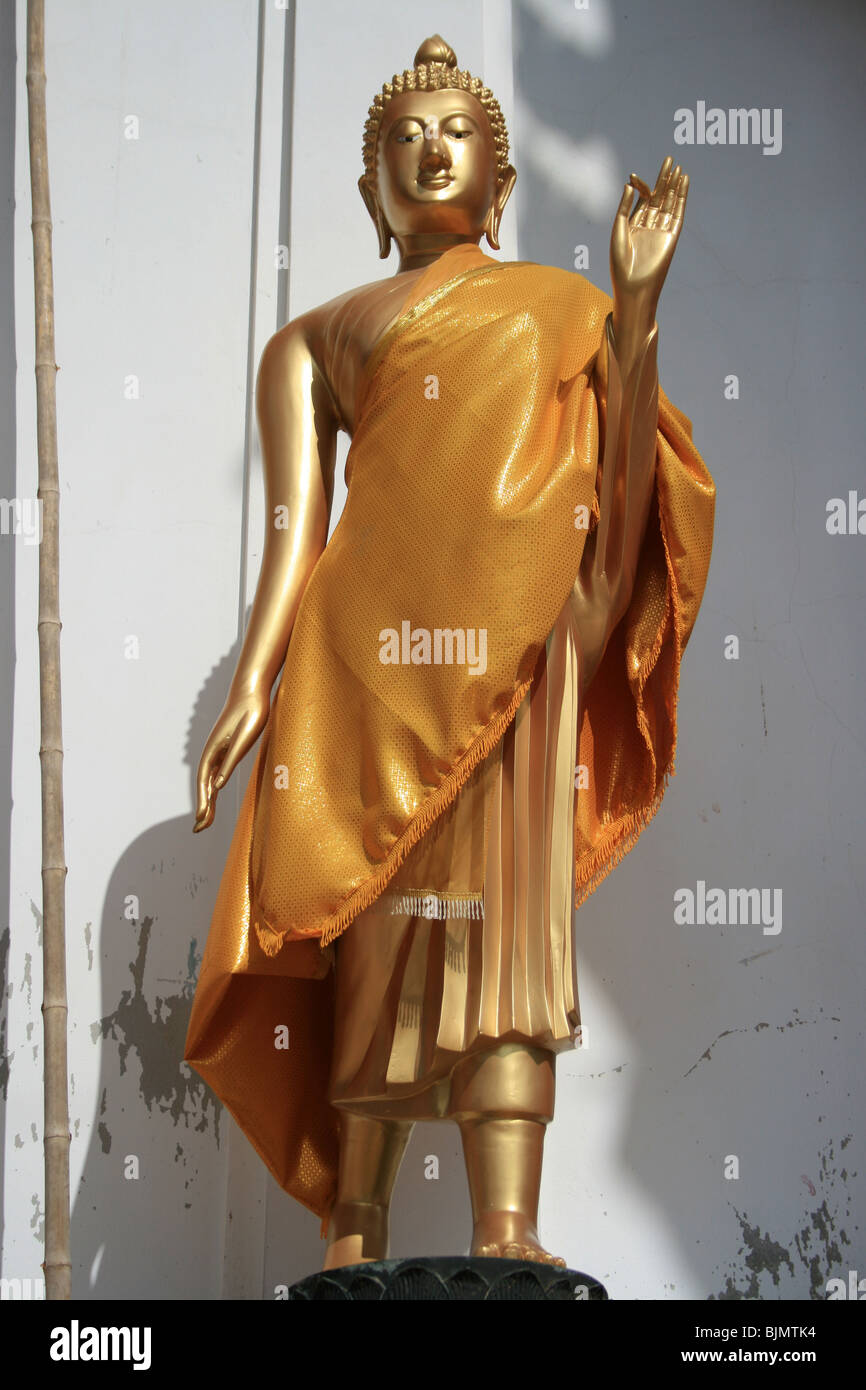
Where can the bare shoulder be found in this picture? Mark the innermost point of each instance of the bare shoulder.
(313, 332)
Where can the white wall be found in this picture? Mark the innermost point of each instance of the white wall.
(702, 1044)
(715, 1041)
(152, 279)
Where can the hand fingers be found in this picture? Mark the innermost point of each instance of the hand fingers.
(238, 745)
(668, 176)
(650, 210)
(664, 175)
(643, 189)
(625, 201)
(619, 233)
(660, 208)
(204, 790)
(680, 205)
(669, 202)
(204, 808)
(655, 196)
(645, 193)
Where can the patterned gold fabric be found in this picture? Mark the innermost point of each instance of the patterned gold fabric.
(478, 433)
(420, 980)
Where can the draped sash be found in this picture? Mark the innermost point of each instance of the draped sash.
(477, 436)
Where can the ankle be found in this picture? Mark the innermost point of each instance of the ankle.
(368, 1221)
(504, 1225)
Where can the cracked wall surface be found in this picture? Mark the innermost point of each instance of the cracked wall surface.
(707, 1134)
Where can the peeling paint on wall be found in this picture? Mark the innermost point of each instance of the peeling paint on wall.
(759, 1028)
(37, 918)
(37, 1220)
(157, 1036)
(5, 1058)
(102, 1128)
(818, 1246)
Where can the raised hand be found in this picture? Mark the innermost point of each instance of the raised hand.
(642, 243)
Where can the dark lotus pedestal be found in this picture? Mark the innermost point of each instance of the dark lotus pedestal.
(448, 1278)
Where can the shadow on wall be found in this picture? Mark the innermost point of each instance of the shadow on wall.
(149, 1212)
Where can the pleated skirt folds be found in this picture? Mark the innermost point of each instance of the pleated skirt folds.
(472, 945)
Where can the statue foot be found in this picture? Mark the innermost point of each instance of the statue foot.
(347, 1251)
(512, 1250)
(358, 1234)
(509, 1235)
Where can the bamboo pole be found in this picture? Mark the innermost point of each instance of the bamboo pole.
(57, 1265)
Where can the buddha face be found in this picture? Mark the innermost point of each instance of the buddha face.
(437, 166)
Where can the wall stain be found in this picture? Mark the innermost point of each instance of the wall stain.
(195, 883)
(102, 1129)
(37, 918)
(157, 1036)
(37, 1220)
(5, 1057)
(747, 960)
(758, 1028)
(816, 1247)
(88, 939)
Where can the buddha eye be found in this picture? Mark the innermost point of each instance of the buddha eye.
(459, 134)
(406, 139)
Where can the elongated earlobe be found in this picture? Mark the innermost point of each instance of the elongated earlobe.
(497, 207)
(371, 203)
(383, 232)
(491, 227)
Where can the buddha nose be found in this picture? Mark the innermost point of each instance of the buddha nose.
(435, 154)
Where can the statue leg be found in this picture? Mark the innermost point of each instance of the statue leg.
(503, 1100)
(371, 1151)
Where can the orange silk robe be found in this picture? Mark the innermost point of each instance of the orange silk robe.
(430, 842)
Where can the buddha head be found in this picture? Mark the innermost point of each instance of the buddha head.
(436, 167)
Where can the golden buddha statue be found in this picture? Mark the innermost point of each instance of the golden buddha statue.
(476, 714)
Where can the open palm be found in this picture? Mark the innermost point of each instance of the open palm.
(643, 241)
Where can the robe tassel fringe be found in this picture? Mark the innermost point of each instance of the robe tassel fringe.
(272, 941)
